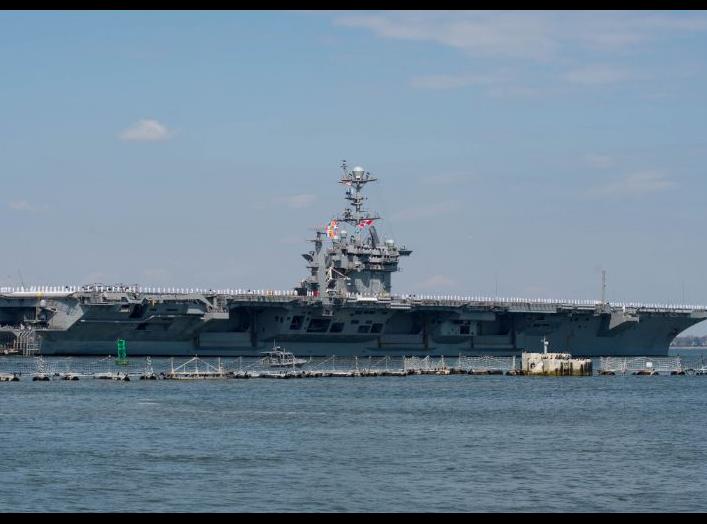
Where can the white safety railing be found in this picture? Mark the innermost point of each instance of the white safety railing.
(442, 299)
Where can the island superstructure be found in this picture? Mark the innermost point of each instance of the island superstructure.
(344, 306)
(355, 261)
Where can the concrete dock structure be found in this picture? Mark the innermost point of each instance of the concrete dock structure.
(555, 364)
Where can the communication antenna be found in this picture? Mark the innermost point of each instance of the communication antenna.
(22, 280)
(603, 286)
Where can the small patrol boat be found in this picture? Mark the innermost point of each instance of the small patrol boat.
(279, 358)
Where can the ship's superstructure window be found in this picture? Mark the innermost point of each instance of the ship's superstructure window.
(336, 327)
(364, 329)
(296, 322)
(377, 327)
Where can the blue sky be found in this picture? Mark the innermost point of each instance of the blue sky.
(198, 149)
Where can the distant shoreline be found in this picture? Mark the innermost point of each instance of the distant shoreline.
(689, 342)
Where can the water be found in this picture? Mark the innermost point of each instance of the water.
(419, 443)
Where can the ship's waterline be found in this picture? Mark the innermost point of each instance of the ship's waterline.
(345, 306)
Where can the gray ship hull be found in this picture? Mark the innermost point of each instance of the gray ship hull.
(245, 325)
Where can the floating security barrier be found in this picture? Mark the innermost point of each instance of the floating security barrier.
(37, 369)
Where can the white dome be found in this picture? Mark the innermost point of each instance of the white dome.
(358, 169)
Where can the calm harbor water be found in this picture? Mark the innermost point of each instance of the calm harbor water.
(418, 443)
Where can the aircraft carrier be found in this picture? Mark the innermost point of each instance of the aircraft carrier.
(344, 306)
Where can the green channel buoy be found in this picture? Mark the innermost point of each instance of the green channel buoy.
(122, 359)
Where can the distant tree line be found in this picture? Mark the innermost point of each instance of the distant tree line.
(690, 342)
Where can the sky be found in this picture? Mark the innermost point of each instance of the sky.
(518, 153)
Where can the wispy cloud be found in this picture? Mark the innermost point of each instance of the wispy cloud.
(94, 277)
(157, 275)
(455, 81)
(300, 201)
(597, 74)
(611, 31)
(146, 130)
(599, 161)
(512, 34)
(635, 184)
(538, 36)
(501, 84)
(427, 211)
(437, 282)
(23, 205)
(446, 179)
(292, 240)
(555, 39)
(535, 291)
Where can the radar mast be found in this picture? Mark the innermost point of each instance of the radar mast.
(354, 262)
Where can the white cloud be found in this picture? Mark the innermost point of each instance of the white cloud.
(635, 184)
(597, 74)
(146, 130)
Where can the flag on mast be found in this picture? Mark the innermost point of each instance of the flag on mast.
(331, 229)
